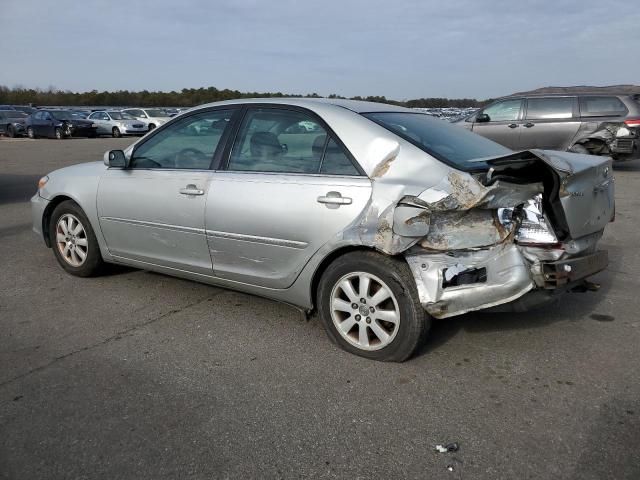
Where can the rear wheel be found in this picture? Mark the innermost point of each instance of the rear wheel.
(58, 133)
(115, 132)
(31, 133)
(369, 306)
(73, 240)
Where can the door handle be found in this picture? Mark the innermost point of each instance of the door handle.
(191, 189)
(529, 124)
(334, 200)
(513, 125)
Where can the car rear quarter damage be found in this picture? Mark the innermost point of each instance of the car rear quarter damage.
(620, 140)
(526, 221)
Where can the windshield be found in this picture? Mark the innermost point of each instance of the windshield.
(453, 145)
(61, 115)
(156, 112)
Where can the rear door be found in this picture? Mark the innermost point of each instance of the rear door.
(503, 125)
(549, 123)
(289, 187)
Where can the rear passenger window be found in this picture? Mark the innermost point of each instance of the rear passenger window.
(287, 141)
(550, 108)
(602, 107)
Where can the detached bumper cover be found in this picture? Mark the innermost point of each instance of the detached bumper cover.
(507, 277)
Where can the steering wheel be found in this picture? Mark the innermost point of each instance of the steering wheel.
(191, 157)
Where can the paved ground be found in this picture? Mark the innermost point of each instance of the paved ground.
(136, 375)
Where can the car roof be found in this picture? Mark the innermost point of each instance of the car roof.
(358, 106)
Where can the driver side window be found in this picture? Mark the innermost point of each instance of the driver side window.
(505, 111)
(187, 144)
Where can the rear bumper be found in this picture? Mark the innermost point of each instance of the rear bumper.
(506, 277)
(559, 274)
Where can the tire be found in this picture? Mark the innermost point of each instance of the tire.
(411, 322)
(30, 133)
(70, 244)
(115, 132)
(577, 148)
(11, 133)
(151, 126)
(58, 133)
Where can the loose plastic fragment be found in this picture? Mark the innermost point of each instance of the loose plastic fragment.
(449, 447)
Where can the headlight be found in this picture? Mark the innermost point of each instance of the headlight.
(94, 125)
(42, 182)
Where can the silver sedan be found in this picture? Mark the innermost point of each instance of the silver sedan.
(377, 217)
(117, 124)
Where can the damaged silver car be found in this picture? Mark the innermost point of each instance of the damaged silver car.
(595, 124)
(378, 217)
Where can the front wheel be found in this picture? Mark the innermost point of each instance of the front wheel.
(58, 133)
(151, 126)
(116, 132)
(73, 240)
(369, 306)
(30, 133)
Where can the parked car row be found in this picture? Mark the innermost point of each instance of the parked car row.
(63, 123)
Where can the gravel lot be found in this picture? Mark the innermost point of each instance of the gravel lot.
(137, 375)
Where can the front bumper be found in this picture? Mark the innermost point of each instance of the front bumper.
(83, 131)
(135, 131)
(491, 277)
(38, 207)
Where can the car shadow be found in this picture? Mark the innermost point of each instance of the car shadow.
(630, 166)
(17, 188)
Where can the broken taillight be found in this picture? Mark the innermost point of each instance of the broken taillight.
(632, 122)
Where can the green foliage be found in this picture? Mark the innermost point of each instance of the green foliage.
(187, 97)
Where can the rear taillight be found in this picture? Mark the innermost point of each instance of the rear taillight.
(632, 122)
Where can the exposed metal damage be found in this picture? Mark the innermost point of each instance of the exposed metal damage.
(473, 241)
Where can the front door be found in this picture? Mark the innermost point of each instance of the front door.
(288, 189)
(503, 123)
(154, 210)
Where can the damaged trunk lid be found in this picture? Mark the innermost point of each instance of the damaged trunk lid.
(578, 189)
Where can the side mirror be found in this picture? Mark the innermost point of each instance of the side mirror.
(483, 118)
(115, 159)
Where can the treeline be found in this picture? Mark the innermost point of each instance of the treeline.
(186, 97)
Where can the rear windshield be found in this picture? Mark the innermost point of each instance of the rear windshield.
(451, 144)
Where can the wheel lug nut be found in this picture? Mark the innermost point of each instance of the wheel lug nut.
(358, 317)
(354, 306)
(371, 309)
(362, 300)
(368, 319)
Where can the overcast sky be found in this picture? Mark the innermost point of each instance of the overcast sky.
(400, 49)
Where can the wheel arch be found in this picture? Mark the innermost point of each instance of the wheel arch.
(328, 260)
(48, 211)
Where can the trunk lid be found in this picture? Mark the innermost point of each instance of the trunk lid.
(578, 189)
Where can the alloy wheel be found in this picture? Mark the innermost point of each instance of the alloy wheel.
(71, 239)
(364, 311)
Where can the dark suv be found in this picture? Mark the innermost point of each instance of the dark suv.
(598, 124)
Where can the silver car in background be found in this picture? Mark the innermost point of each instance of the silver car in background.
(117, 123)
(378, 217)
(153, 117)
